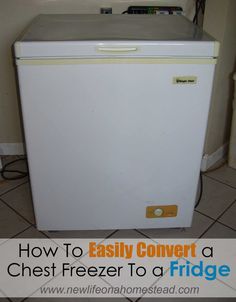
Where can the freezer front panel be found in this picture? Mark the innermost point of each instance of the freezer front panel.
(107, 141)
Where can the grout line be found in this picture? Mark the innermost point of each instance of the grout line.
(154, 283)
(31, 224)
(232, 187)
(45, 234)
(128, 299)
(229, 227)
(141, 233)
(17, 186)
(4, 296)
(17, 234)
(225, 210)
(21, 232)
(7, 298)
(205, 215)
(210, 226)
(112, 233)
(216, 220)
(219, 280)
(75, 261)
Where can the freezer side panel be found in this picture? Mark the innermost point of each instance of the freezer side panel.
(106, 141)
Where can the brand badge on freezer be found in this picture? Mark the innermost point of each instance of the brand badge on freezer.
(185, 80)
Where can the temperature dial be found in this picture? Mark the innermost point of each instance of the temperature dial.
(158, 212)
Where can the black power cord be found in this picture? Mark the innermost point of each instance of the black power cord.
(201, 181)
(200, 192)
(17, 173)
(199, 6)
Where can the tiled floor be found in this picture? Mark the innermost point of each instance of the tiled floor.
(213, 218)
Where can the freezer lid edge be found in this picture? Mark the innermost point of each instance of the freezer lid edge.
(73, 49)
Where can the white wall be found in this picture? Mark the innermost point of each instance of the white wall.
(15, 15)
(220, 22)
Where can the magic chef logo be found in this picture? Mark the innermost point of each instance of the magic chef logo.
(185, 80)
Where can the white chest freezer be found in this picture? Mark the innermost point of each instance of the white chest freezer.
(115, 110)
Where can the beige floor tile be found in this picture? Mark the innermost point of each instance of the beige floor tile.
(16, 299)
(20, 200)
(7, 185)
(79, 234)
(10, 222)
(127, 234)
(225, 174)
(76, 300)
(220, 231)
(216, 197)
(187, 300)
(199, 225)
(31, 232)
(229, 218)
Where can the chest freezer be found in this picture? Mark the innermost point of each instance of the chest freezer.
(115, 111)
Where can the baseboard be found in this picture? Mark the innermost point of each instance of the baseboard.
(209, 160)
(12, 149)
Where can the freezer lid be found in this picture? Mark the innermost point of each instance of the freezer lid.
(114, 35)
